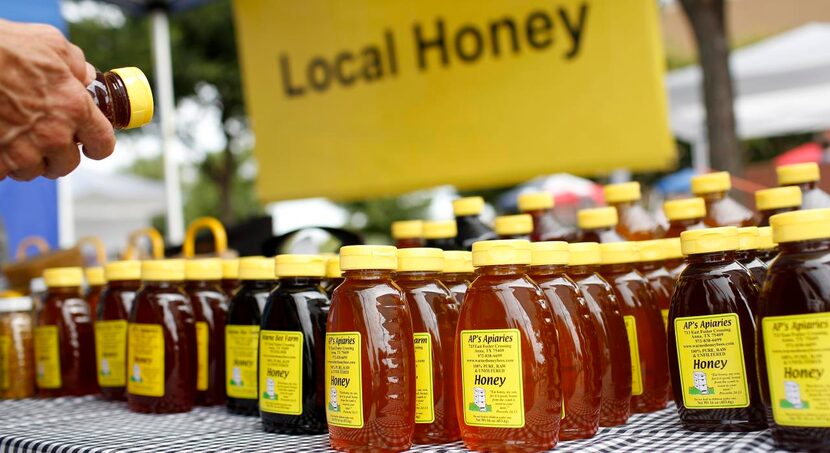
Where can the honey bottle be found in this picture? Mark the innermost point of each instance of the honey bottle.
(684, 214)
(95, 282)
(777, 200)
(546, 227)
(652, 266)
(806, 177)
(673, 254)
(230, 277)
(458, 273)
(441, 234)
(203, 285)
(408, 233)
(518, 226)
(507, 355)
(635, 223)
(712, 337)
(370, 355)
(747, 255)
(794, 332)
(124, 97)
(721, 209)
(767, 250)
(611, 333)
(434, 319)
(470, 227)
(598, 225)
(334, 277)
(579, 353)
(111, 321)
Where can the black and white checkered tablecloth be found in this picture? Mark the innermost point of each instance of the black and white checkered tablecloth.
(87, 425)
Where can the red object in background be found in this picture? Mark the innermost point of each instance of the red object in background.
(808, 152)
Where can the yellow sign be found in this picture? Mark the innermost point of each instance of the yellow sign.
(376, 97)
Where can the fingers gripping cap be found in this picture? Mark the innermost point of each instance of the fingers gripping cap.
(377, 257)
(584, 253)
(798, 173)
(535, 201)
(501, 252)
(801, 225)
(619, 193)
(549, 253)
(420, 259)
(709, 240)
(711, 182)
(140, 95)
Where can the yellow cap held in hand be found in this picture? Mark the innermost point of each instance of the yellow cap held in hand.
(584, 254)
(777, 198)
(300, 266)
(420, 259)
(407, 229)
(162, 270)
(534, 201)
(95, 276)
(589, 219)
(123, 270)
(369, 257)
(711, 182)
(549, 253)
(256, 268)
(512, 225)
(333, 267)
(620, 193)
(652, 250)
(685, 209)
(672, 248)
(458, 262)
(765, 238)
(619, 253)
(440, 229)
(800, 225)
(203, 269)
(467, 206)
(501, 252)
(709, 240)
(63, 277)
(140, 95)
(798, 173)
(230, 269)
(748, 238)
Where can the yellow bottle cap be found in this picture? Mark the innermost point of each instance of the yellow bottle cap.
(95, 276)
(619, 253)
(549, 253)
(123, 270)
(256, 268)
(534, 201)
(589, 219)
(685, 209)
(748, 238)
(333, 267)
(778, 197)
(765, 238)
(420, 259)
(458, 262)
(800, 225)
(467, 206)
(798, 173)
(709, 240)
(711, 182)
(62, 277)
(584, 254)
(358, 257)
(620, 193)
(501, 252)
(203, 269)
(511, 225)
(300, 266)
(140, 95)
(652, 250)
(407, 229)
(162, 270)
(440, 229)
(230, 269)
(672, 248)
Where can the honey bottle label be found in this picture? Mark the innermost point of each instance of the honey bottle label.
(344, 395)
(710, 357)
(5, 357)
(202, 355)
(241, 348)
(47, 357)
(424, 407)
(111, 352)
(797, 349)
(145, 360)
(634, 348)
(281, 372)
(491, 378)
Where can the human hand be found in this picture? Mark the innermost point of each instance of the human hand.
(45, 109)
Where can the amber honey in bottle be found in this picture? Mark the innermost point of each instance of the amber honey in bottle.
(767, 249)
(546, 227)
(203, 285)
(124, 96)
(721, 209)
(434, 319)
(684, 214)
(518, 226)
(95, 282)
(408, 233)
(470, 227)
(459, 273)
(292, 348)
(794, 333)
(334, 276)
(257, 280)
(17, 361)
(652, 266)
(111, 324)
(579, 349)
(370, 355)
(598, 225)
(64, 338)
(441, 234)
(777, 200)
(747, 255)
(673, 262)
(712, 337)
(635, 223)
(805, 176)
(611, 333)
(509, 391)
(230, 277)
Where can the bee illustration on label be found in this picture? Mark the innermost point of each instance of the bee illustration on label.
(701, 384)
(333, 404)
(792, 396)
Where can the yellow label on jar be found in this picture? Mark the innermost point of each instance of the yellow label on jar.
(145, 360)
(491, 378)
(47, 357)
(5, 357)
(202, 343)
(281, 372)
(344, 391)
(634, 348)
(424, 406)
(241, 347)
(665, 314)
(797, 350)
(710, 356)
(111, 352)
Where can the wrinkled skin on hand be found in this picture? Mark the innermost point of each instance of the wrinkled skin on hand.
(45, 110)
